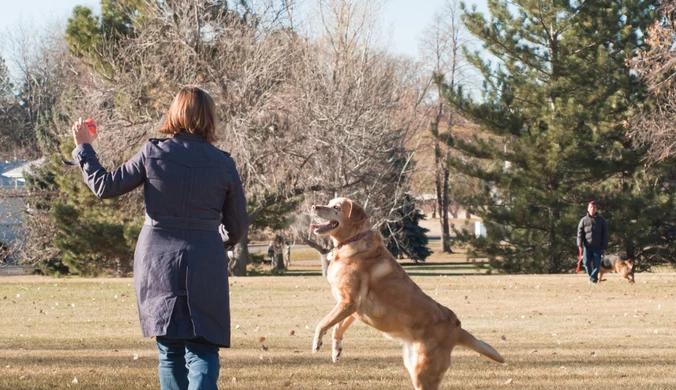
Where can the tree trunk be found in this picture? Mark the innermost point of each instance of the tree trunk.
(242, 255)
(323, 254)
(440, 194)
(122, 267)
(454, 210)
(279, 261)
(443, 215)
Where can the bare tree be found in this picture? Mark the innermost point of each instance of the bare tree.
(40, 72)
(38, 66)
(442, 52)
(654, 126)
(303, 118)
(358, 106)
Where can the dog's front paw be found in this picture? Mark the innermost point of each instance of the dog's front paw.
(316, 345)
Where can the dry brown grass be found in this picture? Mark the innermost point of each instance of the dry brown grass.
(556, 332)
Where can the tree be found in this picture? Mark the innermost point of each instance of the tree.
(40, 71)
(442, 50)
(653, 124)
(405, 236)
(14, 135)
(86, 236)
(556, 92)
(360, 108)
(299, 116)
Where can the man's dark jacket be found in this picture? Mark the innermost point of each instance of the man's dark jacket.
(592, 232)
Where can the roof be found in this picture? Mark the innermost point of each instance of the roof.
(12, 173)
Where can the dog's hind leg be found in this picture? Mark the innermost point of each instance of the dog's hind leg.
(338, 331)
(426, 364)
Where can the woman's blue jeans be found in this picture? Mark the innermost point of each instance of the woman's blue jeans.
(187, 364)
(592, 262)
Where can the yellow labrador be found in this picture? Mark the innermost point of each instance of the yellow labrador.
(372, 287)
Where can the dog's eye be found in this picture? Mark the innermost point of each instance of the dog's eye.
(337, 207)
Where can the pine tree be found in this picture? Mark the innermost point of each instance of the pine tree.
(92, 236)
(404, 236)
(556, 92)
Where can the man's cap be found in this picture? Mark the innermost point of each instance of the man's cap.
(592, 202)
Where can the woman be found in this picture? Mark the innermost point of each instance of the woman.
(180, 271)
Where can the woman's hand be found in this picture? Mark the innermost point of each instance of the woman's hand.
(81, 134)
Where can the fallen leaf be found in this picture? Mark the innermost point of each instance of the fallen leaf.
(503, 337)
(287, 383)
(74, 380)
(260, 340)
(264, 347)
(509, 381)
(292, 333)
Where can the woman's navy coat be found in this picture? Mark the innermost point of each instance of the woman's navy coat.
(180, 270)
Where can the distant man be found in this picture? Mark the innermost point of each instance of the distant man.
(592, 240)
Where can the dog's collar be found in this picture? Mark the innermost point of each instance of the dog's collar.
(354, 238)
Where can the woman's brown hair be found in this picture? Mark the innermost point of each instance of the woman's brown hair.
(194, 111)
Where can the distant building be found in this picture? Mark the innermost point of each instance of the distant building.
(12, 205)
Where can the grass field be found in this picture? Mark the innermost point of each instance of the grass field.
(555, 331)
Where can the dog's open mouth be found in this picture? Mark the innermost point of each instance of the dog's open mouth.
(323, 227)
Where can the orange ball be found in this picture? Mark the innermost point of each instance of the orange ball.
(91, 125)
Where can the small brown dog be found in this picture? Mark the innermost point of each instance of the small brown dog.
(372, 287)
(622, 267)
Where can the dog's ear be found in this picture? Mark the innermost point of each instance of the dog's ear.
(356, 212)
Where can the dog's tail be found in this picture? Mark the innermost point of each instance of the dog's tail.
(471, 342)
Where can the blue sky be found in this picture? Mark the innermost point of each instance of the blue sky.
(403, 20)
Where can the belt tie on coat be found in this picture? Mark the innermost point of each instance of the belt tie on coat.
(182, 223)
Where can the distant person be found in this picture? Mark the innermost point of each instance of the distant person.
(278, 254)
(592, 241)
(271, 253)
(287, 252)
(180, 267)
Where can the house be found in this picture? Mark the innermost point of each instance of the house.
(12, 204)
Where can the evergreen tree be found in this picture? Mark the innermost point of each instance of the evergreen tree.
(405, 236)
(92, 236)
(555, 95)
(15, 134)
